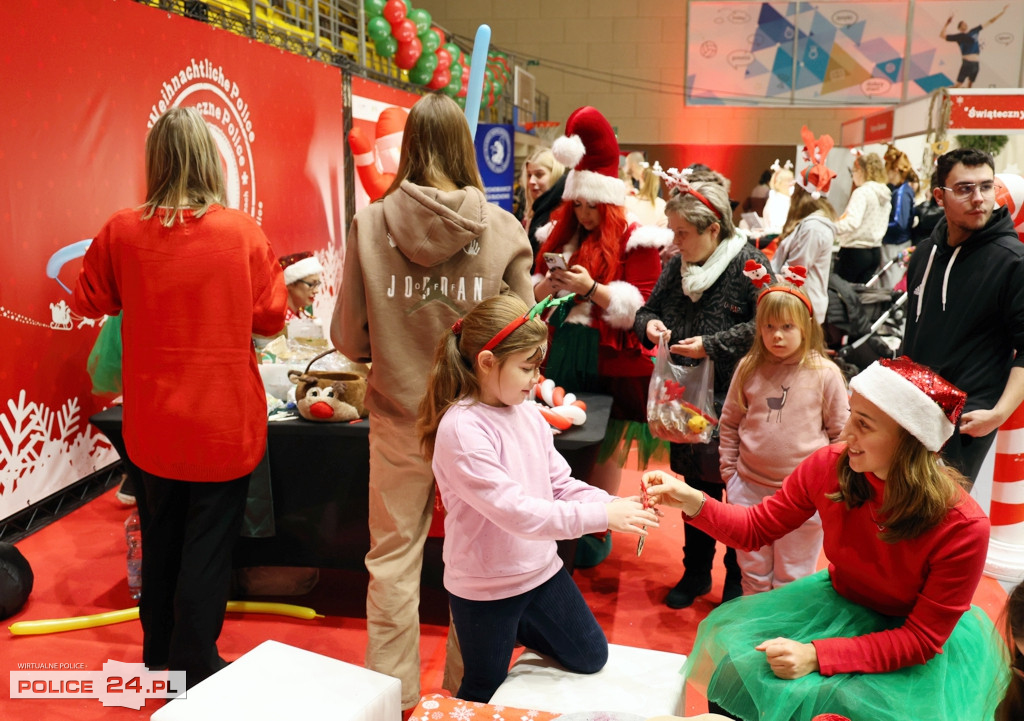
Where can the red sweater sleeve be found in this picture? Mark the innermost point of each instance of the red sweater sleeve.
(96, 292)
(269, 293)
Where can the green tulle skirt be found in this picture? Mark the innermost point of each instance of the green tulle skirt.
(963, 682)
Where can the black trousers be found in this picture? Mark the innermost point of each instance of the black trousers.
(857, 265)
(698, 464)
(188, 534)
(967, 453)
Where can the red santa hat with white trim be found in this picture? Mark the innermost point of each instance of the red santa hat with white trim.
(299, 265)
(919, 399)
(590, 149)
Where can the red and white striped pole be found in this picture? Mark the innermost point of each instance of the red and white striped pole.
(1006, 545)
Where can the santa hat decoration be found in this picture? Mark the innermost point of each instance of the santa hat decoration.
(298, 266)
(388, 142)
(916, 397)
(816, 178)
(590, 149)
(757, 273)
(795, 276)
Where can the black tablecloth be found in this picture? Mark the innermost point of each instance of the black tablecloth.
(319, 476)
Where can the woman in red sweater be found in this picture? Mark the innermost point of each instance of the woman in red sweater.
(194, 406)
(888, 632)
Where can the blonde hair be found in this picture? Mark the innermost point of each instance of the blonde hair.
(873, 167)
(545, 159)
(782, 180)
(918, 491)
(183, 167)
(801, 205)
(701, 216)
(650, 187)
(453, 376)
(779, 307)
(437, 147)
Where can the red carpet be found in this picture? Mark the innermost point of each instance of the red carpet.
(80, 569)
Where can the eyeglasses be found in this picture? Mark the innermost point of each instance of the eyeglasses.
(312, 286)
(963, 191)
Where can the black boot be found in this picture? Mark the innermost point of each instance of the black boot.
(733, 577)
(690, 586)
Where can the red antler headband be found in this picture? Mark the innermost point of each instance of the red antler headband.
(795, 274)
(548, 303)
(676, 179)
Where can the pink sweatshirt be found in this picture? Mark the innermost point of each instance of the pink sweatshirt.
(792, 411)
(509, 495)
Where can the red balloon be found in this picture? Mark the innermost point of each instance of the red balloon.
(404, 31)
(465, 85)
(394, 11)
(442, 76)
(408, 53)
(444, 60)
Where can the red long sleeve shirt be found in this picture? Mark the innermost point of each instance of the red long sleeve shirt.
(192, 294)
(930, 579)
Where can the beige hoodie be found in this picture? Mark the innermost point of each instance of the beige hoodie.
(415, 261)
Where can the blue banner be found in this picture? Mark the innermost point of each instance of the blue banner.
(495, 156)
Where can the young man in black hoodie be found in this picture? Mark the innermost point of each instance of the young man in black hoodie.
(965, 318)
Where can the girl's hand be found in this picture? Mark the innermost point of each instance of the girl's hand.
(690, 347)
(790, 659)
(627, 515)
(672, 491)
(656, 331)
(575, 279)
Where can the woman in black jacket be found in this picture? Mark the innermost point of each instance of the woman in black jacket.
(704, 306)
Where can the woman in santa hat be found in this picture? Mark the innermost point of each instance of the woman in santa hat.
(611, 265)
(302, 276)
(888, 632)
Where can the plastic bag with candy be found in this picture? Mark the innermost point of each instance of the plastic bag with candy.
(680, 400)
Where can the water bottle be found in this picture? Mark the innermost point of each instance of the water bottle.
(133, 538)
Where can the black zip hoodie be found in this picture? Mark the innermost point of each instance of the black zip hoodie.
(965, 318)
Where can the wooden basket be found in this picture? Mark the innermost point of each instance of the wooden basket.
(355, 384)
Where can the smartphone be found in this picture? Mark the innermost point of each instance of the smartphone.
(555, 261)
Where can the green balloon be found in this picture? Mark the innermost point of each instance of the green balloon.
(488, 75)
(374, 7)
(386, 46)
(422, 19)
(499, 89)
(420, 76)
(456, 70)
(452, 88)
(453, 49)
(461, 102)
(430, 41)
(378, 28)
(427, 62)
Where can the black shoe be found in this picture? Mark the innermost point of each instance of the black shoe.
(731, 591)
(684, 593)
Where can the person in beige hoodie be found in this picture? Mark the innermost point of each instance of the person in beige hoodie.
(415, 261)
(863, 224)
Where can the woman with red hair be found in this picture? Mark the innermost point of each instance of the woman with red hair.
(611, 264)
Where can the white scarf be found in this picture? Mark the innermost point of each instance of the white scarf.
(698, 278)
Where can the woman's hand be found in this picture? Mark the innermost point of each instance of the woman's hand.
(628, 515)
(656, 331)
(672, 491)
(575, 279)
(690, 347)
(790, 659)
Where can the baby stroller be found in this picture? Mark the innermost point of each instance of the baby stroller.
(863, 323)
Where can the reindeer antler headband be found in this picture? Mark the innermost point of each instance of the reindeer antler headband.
(677, 180)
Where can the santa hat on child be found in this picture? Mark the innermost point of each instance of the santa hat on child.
(590, 149)
(816, 178)
(916, 397)
(298, 266)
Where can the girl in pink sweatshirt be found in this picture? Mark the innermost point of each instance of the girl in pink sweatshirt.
(786, 400)
(508, 496)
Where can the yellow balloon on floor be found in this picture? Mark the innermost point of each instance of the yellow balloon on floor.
(56, 625)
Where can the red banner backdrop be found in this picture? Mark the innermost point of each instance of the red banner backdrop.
(984, 112)
(84, 80)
